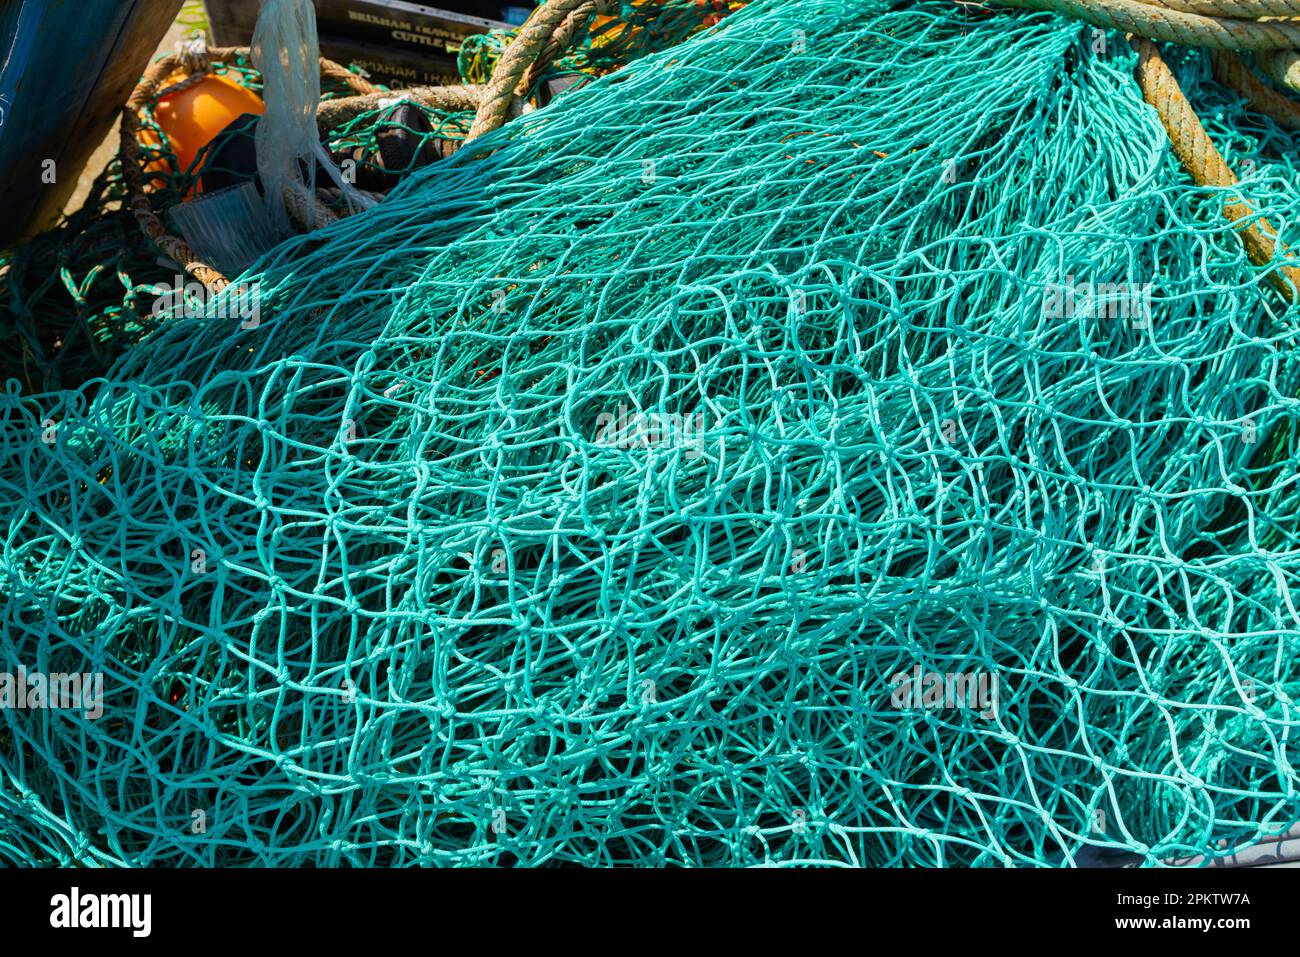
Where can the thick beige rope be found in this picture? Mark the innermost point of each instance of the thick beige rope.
(1231, 71)
(454, 99)
(548, 32)
(1280, 66)
(1173, 26)
(1203, 161)
(1248, 9)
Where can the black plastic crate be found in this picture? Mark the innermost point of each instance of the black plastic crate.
(388, 38)
(394, 67)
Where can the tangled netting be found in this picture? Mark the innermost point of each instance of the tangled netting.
(594, 497)
(76, 297)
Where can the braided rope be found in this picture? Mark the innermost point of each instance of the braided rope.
(1233, 8)
(1173, 26)
(306, 208)
(456, 99)
(1206, 165)
(1280, 66)
(1231, 71)
(550, 30)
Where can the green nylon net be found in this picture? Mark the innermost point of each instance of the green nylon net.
(587, 499)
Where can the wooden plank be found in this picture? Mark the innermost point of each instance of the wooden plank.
(231, 21)
(70, 66)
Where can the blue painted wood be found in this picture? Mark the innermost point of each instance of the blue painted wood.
(69, 66)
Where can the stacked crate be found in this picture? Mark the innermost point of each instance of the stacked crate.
(399, 44)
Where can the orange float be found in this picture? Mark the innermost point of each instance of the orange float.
(191, 118)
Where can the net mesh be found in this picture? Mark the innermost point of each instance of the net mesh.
(846, 437)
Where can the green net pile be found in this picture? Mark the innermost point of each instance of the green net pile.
(594, 497)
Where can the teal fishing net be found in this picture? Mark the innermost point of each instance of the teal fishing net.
(652, 481)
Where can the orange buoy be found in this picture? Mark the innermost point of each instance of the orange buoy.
(192, 118)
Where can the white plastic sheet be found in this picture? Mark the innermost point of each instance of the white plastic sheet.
(287, 52)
